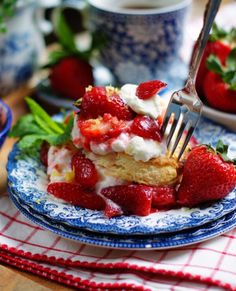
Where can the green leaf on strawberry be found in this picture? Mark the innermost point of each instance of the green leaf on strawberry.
(214, 64)
(35, 128)
(63, 32)
(222, 150)
(228, 72)
(217, 33)
(231, 60)
(67, 41)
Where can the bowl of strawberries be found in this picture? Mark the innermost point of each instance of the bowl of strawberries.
(216, 78)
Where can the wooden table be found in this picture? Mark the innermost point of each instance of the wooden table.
(10, 278)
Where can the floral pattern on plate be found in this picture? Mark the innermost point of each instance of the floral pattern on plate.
(158, 241)
(28, 180)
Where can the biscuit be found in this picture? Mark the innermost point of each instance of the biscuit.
(158, 171)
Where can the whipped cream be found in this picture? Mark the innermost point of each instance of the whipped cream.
(59, 164)
(144, 149)
(140, 148)
(152, 107)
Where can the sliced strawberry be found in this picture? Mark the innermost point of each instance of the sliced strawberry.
(163, 197)
(76, 195)
(133, 199)
(112, 209)
(85, 171)
(103, 128)
(146, 127)
(148, 89)
(100, 100)
(44, 153)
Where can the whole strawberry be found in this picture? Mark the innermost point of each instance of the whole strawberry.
(219, 44)
(70, 76)
(218, 93)
(70, 69)
(208, 175)
(220, 83)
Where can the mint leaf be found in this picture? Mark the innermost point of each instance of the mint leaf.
(63, 138)
(217, 33)
(31, 141)
(25, 126)
(213, 63)
(231, 60)
(63, 32)
(42, 116)
(38, 126)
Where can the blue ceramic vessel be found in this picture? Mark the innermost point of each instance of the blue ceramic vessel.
(5, 121)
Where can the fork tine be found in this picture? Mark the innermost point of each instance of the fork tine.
(193, 121)
(184, 122)
(172, 109)
(186, 141)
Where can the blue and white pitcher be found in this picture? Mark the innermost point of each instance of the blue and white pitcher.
(21, 46)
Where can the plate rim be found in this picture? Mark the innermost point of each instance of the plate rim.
(104, 243)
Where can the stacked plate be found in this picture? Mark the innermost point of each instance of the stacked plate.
(164, 229)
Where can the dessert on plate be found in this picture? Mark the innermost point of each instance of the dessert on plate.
(111, 154)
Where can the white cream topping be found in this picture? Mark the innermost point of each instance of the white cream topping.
(100, 148)
(152, 107)
(144, 149)
(140, 148)
(59, 164)
(120, 143)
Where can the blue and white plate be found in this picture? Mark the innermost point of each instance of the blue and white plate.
(28, 180)
(135, 242)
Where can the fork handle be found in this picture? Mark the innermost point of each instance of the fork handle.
(209, 16)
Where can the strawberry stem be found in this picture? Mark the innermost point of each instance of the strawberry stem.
(222, 150)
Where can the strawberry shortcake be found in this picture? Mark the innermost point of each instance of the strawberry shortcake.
(117, 159)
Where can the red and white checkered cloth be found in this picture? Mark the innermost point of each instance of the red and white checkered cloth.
(209, 265)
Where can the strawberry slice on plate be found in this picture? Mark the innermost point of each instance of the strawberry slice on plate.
(163, 197)
(133, 199)
(76, 195)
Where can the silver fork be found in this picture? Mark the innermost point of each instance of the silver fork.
(185, 106)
